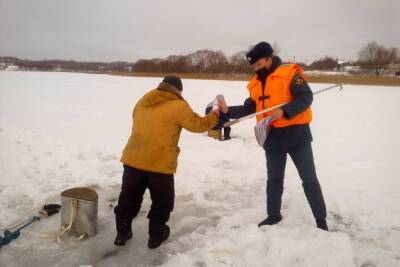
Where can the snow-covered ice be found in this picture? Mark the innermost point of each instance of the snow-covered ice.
(60, 130)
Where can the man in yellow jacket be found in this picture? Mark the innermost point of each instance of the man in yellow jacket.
(150, 158)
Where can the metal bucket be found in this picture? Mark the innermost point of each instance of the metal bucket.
(79, 208)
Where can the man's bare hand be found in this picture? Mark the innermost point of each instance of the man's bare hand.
(223, 107)
(216, 111)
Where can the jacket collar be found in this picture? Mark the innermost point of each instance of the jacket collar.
(166, 87)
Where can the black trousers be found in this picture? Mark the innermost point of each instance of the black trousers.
(303, 159)
(134, 184)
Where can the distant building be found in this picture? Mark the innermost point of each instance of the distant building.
(351, 68)
(342, 62)
(11, 67)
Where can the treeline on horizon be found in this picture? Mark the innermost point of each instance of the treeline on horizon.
(373, 58)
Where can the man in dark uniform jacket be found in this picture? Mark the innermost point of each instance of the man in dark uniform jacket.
(294, 139)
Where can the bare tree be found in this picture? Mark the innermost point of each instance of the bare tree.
(208, 61)
(375, 57)
(326, 63)
(217, 62)
(239, 63)
(145, 65)
(179, 64)
(198, 60)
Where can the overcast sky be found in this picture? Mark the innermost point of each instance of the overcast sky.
(106, 30)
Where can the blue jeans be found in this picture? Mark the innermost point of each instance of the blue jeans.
(303, 159)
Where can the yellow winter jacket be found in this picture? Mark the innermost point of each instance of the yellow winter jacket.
(158, 119)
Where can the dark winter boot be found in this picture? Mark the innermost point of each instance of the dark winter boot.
(155, 242)
(121, 238)
(321, 224)
(124, 228)
(270, 220)
(227, 132)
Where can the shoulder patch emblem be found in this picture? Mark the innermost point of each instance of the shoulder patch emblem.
(299, 81)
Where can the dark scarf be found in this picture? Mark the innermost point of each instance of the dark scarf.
(262, 74)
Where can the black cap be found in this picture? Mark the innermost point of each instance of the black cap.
(260, 50)
(173, 80)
